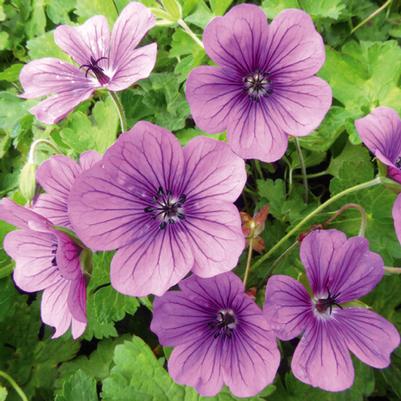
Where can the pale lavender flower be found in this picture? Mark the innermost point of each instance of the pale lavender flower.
(264, 88)
(339, 271)
(47, 260)
(56, 176)
(167, 210)
(103, 61)
(220, 336)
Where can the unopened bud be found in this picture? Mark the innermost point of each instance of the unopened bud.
(27, 181)
(173, 8)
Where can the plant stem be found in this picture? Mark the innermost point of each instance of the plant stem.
(14, 385)
(250, 250)
(35, 144)
(367, 19)
(189, 31)
(364, 185)
(313, 175)
(362, 211)
(286, 252)
(120, 111)
(303, 169)
(392, 270)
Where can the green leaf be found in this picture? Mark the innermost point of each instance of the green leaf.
(219, 7)
(12, 110)
(58, 10)
(392, 374)
(88, 8)
(11, 73)
(139, 376)
(3, 393)
(37, 24)
(78, 387)
(201, 16)
(44, 46)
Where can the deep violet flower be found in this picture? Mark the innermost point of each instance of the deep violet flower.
(339, 270)
(380, 131)
(264, 88)
(166, 210)
(219, 335)
(47, 260)
(103, 61)
(56, 176)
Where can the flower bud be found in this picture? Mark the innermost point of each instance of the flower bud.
(27, 181)
(173, 7)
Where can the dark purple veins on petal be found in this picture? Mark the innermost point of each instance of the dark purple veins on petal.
(97, 70)
(224, 323)
(257, 85)
(166, 207)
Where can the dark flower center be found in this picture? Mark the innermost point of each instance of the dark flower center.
(97, 70)
(224, 323)
(257, 85)
(54, 251)
(165, 207)
(324, 304)
(398, 163)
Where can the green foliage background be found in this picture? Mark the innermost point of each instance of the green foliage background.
(114, 359)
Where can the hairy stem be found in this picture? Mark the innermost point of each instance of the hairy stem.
(189, 31)
(35, 144)
(303, 169)
(120, 111)
(371, 16)
(294, 230)
(250, 250)
(14, 385)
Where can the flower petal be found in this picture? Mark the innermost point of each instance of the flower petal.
(253, 133)
(211, 94)
(369, 336)
(89, 159)
(152, 264)
(198, 364)
(68, 256)
(50, 76)
(131, 26)
(380, 131)
(296, 49)
(397, 217)
(212, 171)
(77, 306)
(57, 107)
(288, 307)
(300, 106)
(238, 40)
(252, 358)
(322, 359)
(213, 230)
(136, 65)
(106, 204)
(32, 251)
(92, 39)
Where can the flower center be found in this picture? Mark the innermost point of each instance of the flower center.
(224, 323)
(323, 305)
(167, 208)
(257, 85)
(97, 70)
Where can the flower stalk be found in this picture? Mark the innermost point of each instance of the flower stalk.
(189, 31)
(294, 230)
(303, 169)
(120, 111)
(251, 238)
(14, 385)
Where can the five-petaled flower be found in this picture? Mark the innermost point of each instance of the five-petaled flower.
(56, 176)
(380, 131)
(264, 88)
(167, 210)
(219, 335)
(48, 260)
(339, 270)
(104, 61)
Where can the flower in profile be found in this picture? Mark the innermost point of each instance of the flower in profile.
(220, 336)
(47, 260)
(264, 88)
(56, 176)
(254, 226)
(339, 271)
(167, 210)
(380, 131)
(104, 61)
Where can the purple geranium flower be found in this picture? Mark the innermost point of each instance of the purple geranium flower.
(56, 177)
(264, 88)
(48, 260)
(339, 270)
(220, 336)
(166, 209)
(104, 61)
(380, 131)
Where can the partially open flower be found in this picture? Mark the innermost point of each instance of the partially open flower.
(254, 226)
